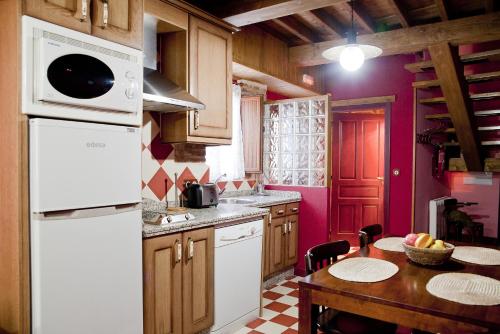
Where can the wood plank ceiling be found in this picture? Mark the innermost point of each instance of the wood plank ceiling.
(306, 22)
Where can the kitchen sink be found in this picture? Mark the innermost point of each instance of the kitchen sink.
(236, 201)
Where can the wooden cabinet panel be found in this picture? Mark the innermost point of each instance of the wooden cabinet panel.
(278, 211)
(277, 245)
(210, 67)
(72, 14)
(251, 126)
(198, 280)
(162, 270)
(119, 21)
(292, 240)
(292, 208)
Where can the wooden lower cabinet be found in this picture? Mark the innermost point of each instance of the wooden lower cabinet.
(281, 238)
(178, 282)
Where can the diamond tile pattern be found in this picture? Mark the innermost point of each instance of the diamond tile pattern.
(159, 166)
(295, 143)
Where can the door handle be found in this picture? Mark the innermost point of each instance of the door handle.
(84, 11)
(178, 251)
(105, 13)
(190, 248)
(380, 178)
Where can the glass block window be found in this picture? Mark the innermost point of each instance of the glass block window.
(295, 151)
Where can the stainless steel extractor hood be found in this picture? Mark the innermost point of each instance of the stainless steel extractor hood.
(159, 93)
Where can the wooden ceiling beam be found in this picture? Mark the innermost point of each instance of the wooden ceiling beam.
(296, 28)
(361, 17)
(443, 10)
(400, 12)
(327, 22)
(450, 73)
(242, 13)
(475, 29)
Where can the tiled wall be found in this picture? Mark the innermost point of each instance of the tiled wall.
(159, 166)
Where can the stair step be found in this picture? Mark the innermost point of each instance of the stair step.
(474, 97)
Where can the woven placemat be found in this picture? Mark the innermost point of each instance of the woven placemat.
(363, 269)
(469, 289)
(393, 244)
(477, 255)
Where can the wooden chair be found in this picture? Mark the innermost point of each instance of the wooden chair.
(338, 322)
(367, 233)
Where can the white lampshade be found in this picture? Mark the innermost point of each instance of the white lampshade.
(352, 56)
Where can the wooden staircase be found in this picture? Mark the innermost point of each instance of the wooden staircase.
(476, 133)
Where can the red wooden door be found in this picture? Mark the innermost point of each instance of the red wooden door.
(358, 170)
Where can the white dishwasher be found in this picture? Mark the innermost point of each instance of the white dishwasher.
(238, 259)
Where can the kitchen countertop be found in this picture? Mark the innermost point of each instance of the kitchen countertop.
(223, 213)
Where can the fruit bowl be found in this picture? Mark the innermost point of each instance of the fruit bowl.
(429, 256)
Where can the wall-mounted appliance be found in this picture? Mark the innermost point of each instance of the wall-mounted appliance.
(71, 75)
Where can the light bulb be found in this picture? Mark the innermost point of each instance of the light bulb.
(352, 58)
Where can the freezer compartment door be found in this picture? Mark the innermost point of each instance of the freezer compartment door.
(87, 272)
(77, 165)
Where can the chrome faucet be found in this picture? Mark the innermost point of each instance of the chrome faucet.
(217, 180)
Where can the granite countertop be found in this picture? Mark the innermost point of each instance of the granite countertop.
(221, 214)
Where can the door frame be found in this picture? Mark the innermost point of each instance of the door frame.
(387, 157)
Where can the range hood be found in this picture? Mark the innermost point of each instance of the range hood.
(159, 93)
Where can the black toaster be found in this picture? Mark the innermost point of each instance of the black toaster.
(202, 196)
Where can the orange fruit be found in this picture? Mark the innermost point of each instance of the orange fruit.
(424, 241)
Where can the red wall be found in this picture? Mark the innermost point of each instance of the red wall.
(313, 219)
(379, 77)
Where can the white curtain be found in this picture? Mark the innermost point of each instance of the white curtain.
(229, 159)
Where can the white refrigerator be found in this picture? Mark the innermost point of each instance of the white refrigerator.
(86, 228)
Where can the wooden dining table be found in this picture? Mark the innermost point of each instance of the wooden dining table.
(401, 299)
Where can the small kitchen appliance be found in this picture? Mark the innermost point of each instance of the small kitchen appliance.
(202, 196)
(71, 75)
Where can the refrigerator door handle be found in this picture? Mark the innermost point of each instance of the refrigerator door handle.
(87, 213)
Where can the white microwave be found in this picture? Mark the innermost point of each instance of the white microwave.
(71, 75)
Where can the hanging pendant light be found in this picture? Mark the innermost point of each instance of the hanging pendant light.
(352, 55)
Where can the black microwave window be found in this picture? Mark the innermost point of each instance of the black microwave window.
(80, 76)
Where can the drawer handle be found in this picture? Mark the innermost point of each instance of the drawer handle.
(196, 119)
(190, 248)
(105, 13)
(295, 209)
(280, 212)
(178, 251)
(84, 11)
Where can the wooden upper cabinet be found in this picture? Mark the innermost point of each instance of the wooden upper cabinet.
(72, 14)
(198, 280)
(210, 79)
(162, 271)
(251, 126)
(120, 21)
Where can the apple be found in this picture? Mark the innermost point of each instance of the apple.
(410, 239)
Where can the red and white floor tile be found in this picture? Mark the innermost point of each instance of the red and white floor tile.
(281, 310)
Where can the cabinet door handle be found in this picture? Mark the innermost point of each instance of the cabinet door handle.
(284, 228)
(289, 227)
(84, 11)
(105, 13)
(178, 251)
(269, 222)
(190, 248)
(196, 119)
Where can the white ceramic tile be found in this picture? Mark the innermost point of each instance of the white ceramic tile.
(149, 166)
(271, 328)
(266, 301)
(295, 326)
(282, 289)
(296, 279)
(243, 330)
(293, 311)
(268, 314)
(149, 129)
(289, 300)
(147, 193)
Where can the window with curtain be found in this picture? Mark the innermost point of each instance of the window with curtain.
(229, 159)
(295, 142)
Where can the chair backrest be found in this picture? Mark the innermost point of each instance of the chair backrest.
(325, 254)
(367, 233)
